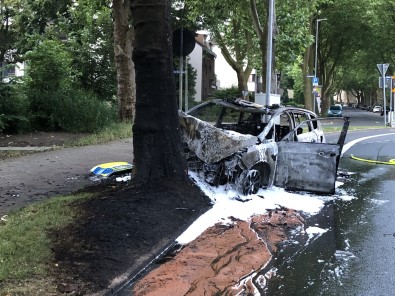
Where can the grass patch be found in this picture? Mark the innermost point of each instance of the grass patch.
(113, 132)
(25, 246)
(9, 153)
(328, 129)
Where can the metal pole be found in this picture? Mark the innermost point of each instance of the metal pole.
(181, 70)
(391, 100)
(315, 62)
(186, 84)
(384, 99)
(269, 52)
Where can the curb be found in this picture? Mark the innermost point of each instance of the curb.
(29, 149)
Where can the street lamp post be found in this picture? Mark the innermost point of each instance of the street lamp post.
(269, 54)
(316, 54)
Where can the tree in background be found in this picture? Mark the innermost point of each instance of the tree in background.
(229, 25)
(123, 48)
(156, 136)
(57, 101)
(87, 31)
(7, 34)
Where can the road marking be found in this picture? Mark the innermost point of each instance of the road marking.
(391, 161)
(352, 143)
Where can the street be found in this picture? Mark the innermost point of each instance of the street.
(354, 256)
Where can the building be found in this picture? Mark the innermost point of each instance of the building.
(12, 70)
(203, 59)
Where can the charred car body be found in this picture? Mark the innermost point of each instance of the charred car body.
(251, 146)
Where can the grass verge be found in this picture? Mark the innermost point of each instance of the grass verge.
(329, 129)
(9, 154)
(26, 257)
(113, 132)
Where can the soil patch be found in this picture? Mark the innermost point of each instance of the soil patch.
(224, 259)
(39, 139)
(120, 231)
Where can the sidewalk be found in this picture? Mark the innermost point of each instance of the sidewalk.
(37, 176)
(29, 149)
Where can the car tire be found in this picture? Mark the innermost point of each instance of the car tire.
(249, 182)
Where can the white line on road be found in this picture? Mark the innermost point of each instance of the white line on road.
(352, 143)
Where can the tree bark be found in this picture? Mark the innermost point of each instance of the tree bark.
(156, 135)
(123, 48)
(308, 64)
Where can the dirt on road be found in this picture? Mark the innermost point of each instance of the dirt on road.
(37, 139)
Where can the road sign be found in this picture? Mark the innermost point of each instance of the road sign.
(387, 82)
(315, 81)
(382, 68)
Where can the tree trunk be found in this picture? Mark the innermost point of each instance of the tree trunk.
(123, 48)
(241, 82)
(308, 63)
(156, 134)
(308, 85)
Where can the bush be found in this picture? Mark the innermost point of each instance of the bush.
(226, 93)
(294, 104)
(57, 100)
(79, 111)
(13, 109)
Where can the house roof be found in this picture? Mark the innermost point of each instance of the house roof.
(205, 48)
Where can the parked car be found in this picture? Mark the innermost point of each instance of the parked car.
(335, 111)
(377, 109)
(251, 146)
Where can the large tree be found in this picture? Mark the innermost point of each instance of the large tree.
(123, 48)
(156, 136)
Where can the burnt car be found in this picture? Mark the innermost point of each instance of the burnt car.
(252, 146)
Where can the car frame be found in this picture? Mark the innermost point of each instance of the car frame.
(252, 146)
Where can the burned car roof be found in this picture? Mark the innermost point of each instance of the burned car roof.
(251, 107)
(210, 143)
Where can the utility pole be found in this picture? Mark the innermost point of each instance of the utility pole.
(383, 69)
(269, 51)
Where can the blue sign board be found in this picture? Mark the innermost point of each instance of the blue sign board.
(315, 81)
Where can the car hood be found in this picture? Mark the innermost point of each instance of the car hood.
(211, 144)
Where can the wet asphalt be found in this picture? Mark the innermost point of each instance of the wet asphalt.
(355, 257)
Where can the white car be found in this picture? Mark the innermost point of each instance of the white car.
(377, 109)
(252, 146)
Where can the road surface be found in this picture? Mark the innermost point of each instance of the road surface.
(37, 176)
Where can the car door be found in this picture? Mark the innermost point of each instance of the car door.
(309, 166)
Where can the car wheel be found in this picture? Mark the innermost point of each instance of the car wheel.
(249, 182)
